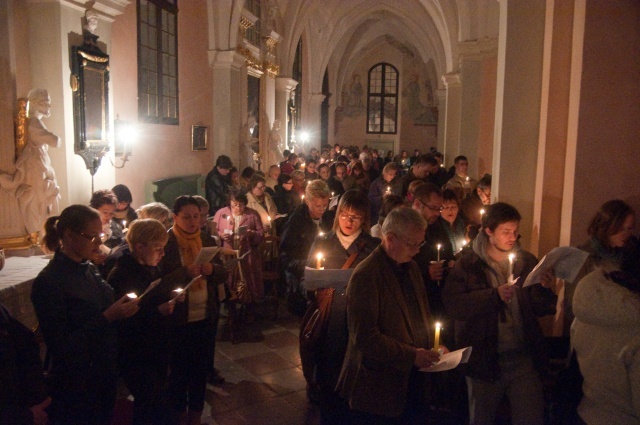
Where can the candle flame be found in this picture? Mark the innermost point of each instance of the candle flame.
(512, 257)
(319, 256)
(177, 290)
(438, 325)
(481, 212)
(321, 234)
(439, 246)
(132, 295)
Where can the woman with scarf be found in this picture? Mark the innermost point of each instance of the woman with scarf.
(345, 246)
(261, 202)
(196, 318)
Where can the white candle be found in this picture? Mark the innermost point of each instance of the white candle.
(436, 340)
(319, 261)
(512, 257)
(124, 223)
(439, 246)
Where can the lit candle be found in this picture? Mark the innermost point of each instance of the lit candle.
(177, 290)
(319, 261)
(333, 194)
(388, 189)
(302, 197)
(439, 246)
(436, 340)
(320, 233)
(481, 213)
(124, 223)
(132, 295)
(512, 257)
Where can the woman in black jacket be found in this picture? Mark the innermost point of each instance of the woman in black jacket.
(143, 340)
(347, 244)
(75, 308)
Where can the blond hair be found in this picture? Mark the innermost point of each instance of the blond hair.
(156, 210)
(146, 231)
(317, 189)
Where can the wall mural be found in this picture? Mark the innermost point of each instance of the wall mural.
(419, 105)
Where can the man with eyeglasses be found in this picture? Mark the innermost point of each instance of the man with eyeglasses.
(390, 329)
(499, 320)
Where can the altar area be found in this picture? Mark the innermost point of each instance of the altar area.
(16, 280)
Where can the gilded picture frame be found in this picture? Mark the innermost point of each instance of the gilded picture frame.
(199, 137)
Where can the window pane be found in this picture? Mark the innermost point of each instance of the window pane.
(152, 19)
(172, 67)
(153, 83)
(172, 45)
(165, 21)
(153, 106)
(153, 38)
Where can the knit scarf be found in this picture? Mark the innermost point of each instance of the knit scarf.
(190, 245)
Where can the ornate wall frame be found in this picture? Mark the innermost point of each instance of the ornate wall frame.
(90, 85)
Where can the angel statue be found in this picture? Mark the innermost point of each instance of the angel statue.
(34, 181)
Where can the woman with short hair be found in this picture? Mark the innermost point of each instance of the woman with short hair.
(261, 202)
(106, 202)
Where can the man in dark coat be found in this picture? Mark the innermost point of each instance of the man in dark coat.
(498, 319)
(217, 184)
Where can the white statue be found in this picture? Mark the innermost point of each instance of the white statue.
(276, 144)
(34, 181)
(92, 21)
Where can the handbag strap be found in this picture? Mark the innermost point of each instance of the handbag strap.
(353, 256)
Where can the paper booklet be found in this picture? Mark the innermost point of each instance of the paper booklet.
(206, 254)
(326, 278)
(178, 293)
(150, 287)
(566, 262)
(450, 360)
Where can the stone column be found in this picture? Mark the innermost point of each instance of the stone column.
(311, 121)
(517, 125)
(284, 86)
(442, 107)
(452, 111)
(230, 88)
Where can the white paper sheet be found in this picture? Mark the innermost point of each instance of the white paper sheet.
(206, 254)
(450, 360)
(150, 287)
(566, 262)
(326, 278)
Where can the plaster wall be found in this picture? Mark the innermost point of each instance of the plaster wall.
(350, 124)
(608, 130)
(162, 151)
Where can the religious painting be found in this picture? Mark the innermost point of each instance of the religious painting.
(253, 106)
(419, 105)
(199, 137)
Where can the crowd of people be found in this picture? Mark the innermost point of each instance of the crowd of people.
(137, 293)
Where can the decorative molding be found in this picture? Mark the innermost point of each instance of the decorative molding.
(478, 49)
(226, 59)
(271, 69)
(18, 242)
(250, 60)
(286, 84)
(107, 9)
(452, 80)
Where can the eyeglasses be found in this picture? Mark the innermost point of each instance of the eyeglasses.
(411, 245)
(93, 239)
(434, 209)
(351, 218)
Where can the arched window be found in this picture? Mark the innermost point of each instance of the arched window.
(382, 99)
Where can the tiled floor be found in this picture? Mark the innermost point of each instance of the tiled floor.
(264, 383)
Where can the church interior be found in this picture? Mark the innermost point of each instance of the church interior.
(541, 94)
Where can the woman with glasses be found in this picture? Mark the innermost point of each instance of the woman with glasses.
(453, 224)
(261, 202)
(346, 245)
(76, 312)
(195, 319)
(240, 228)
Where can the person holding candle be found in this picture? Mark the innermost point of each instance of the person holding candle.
(461, 179)
(420, 170)
(124, 212)
(195, 319)
(452, 222)
(297, 177)
(76, 312)
(378, 189)
(261, 202)
(143, 340)
(476, 202)
(349, 238)
(499, 320)
(230, 220)
(105, 201)
(297, 237)
(390, 329)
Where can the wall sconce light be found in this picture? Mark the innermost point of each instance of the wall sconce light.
(304, 137)
(126, 133)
